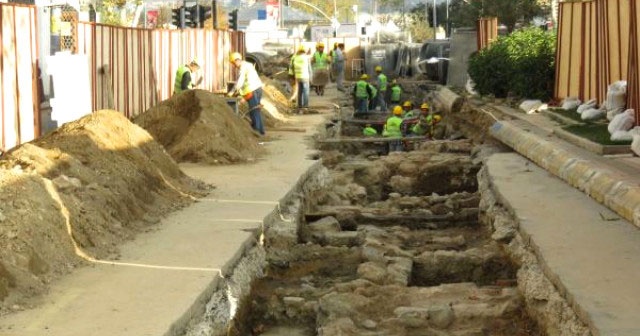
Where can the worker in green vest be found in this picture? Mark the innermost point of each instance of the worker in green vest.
(300, 69)
(369, 131)
(396, 92)
(373, 98)
(423, 126)
(184, 76)
(392, 129)
(362, 94)
(381, 83)
(320, 64)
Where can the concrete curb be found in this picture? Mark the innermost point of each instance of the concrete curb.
(530, 244)
(602, 185)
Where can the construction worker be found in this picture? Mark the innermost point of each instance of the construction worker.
(362, 94)
(183, 80)
(436, 130)
(373, 98)
(392, 129)
(423, 126)
(337, 62)
(319, 63)
(369, 131)
(396, 92)
(381, 83)
(249, 87)
(407, 110)
(300, 69)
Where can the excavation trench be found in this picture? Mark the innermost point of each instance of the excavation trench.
(411, 243)
(387, 245)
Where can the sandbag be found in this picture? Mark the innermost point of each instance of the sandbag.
(635, 144)
(588, 105)
(621, 136)
(570, 103)
(530, 106)
(622, 122)
(613, 113)
(592, 114)
(616, 95)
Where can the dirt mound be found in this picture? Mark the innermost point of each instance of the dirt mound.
(96, 181)
(199, 126)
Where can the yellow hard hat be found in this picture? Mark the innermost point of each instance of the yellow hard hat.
(397, 110)
(235, 56)
(364, 76)
(335, 44)
(407, 104)
(424, 106)
(320, 45)
(301, 48)
(195, 62)
(437, 118)
(378, 68)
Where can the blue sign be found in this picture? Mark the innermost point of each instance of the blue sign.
(262, 14)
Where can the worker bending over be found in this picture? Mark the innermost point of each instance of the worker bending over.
(249, 87)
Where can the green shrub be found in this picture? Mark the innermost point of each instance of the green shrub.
(522, 64)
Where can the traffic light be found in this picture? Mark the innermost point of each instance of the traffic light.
(191, 17)
(177, 17)
(233, 19)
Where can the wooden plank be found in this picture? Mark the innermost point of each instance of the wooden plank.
(372, 140)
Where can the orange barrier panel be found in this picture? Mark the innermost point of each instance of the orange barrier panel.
(487, 29)
(19, 94)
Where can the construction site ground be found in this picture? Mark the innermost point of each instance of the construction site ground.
(588, 252)
(189, 247)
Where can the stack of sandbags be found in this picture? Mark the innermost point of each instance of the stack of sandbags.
(616, 99)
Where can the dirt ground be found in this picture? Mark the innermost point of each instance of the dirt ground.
(92, 183)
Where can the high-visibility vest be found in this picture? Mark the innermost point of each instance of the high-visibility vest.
(301, 66)
(361, 89)
(369, 131)
(177, 87)
(382, 79)
(374, 91)
(392, 127)
(396, 91)
(321, 60)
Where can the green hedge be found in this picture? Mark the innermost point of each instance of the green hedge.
(521, 64)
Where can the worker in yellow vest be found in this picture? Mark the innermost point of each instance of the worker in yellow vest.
(392, 129)
(249, 87)
(362, 93)
(184, 77)
(381, 83)
(300, 68)
(320, 63)
(396, 92)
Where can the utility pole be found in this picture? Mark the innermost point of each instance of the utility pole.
(434, 20)
(214, 13)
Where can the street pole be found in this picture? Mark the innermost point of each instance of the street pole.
(434, 20)
(447, 24)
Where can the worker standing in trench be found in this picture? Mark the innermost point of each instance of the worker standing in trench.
(249, 87)
(381, 83)
(392, 129)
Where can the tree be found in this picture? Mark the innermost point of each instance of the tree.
(343, 8)
(464, 13)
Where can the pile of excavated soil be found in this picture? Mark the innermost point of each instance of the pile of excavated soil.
(199, 126)
(97, 181)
